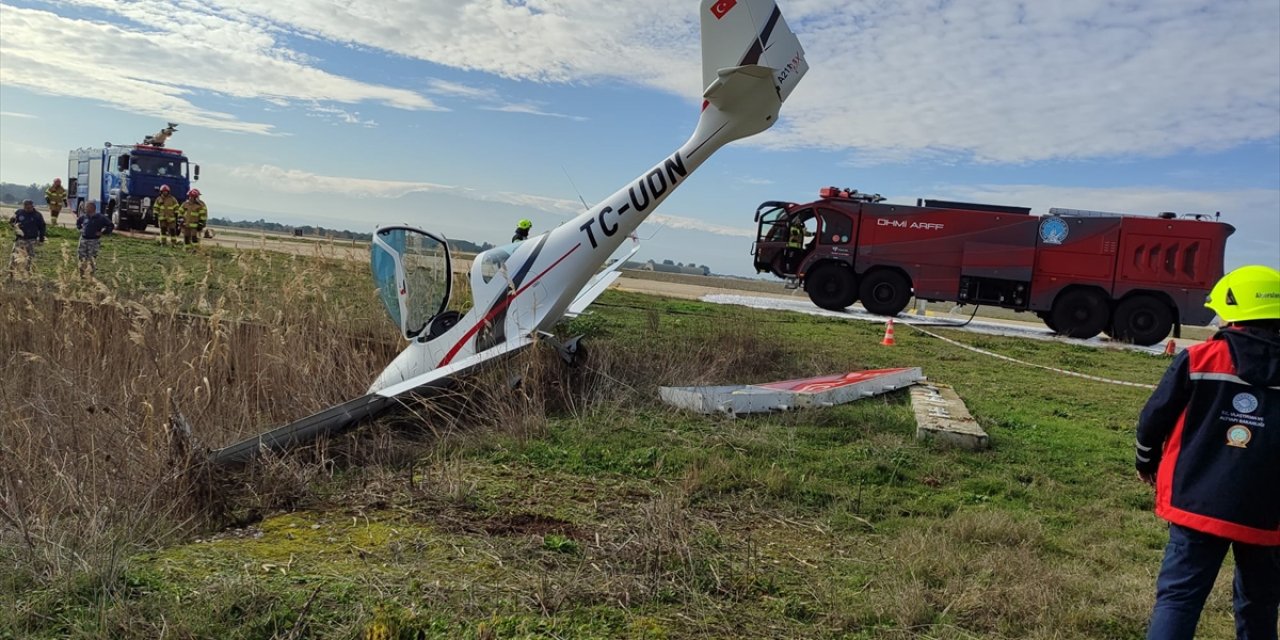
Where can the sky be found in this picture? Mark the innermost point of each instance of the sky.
(463, 116)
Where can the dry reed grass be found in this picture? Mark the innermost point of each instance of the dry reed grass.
(95, 384)
(91, 382)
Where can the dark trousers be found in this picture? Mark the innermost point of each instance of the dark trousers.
(1191, 563)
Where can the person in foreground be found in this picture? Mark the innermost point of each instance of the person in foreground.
(93, 226)
(29, 229)
(1209, 442)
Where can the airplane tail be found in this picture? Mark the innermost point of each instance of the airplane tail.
(751, 62)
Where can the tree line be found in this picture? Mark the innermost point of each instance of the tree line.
(11, 192)
(323, 232)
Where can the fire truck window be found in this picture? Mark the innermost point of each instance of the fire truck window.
(772, 227)
(836, 228)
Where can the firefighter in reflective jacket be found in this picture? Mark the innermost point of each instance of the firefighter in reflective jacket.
(795, 246)
(194, 216)
(56, 197)
(1209, 442)
(522, 230)
(166, 208)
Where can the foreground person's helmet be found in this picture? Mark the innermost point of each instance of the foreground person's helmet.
(1248, 293)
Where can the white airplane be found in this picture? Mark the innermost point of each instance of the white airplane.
(751, 62)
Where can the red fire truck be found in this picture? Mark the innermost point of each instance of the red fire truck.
(1082, 272)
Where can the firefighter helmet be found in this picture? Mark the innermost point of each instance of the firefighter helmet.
(525, 224)
(164, 188)
(194, 193)
(1248, 293)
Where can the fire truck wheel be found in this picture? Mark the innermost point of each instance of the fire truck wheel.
(1080, 313)
(1143, 320)
(1047, 318)
(885, 292)
(832, 286)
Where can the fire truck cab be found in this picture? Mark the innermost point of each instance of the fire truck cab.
(1082, 272)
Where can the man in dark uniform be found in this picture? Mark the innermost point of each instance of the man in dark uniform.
(1209, 442)
(28, 224)
(92, 226)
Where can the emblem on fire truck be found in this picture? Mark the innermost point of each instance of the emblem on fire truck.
(1054, 230)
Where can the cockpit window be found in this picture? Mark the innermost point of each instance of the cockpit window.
(493, 261)
(412, 271)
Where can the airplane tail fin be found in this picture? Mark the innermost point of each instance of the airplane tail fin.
(751, 62)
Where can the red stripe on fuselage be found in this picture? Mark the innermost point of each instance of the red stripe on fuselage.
(499, 307)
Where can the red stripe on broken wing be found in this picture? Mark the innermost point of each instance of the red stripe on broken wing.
(499, 307)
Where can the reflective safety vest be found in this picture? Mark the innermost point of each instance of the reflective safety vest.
(1211, 434)
(194, 213)
(796, 239)
(55, 196)
(166, 207)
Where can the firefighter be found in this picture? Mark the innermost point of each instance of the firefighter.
(522, 230)
(56, 197)
(166, 208)
(795, 246)
(28, 224)
(1209, 442)
(194, 216)
(92, 226)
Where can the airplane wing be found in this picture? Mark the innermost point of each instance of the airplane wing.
(343, 416)
(438, 376)
(597, 285)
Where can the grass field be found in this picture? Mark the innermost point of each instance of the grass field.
(575, 506)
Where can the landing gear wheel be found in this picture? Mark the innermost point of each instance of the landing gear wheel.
(581, 355)
(1142, 320)
(1080, 313)
(885, 292)
(573, 352)
(832, 286)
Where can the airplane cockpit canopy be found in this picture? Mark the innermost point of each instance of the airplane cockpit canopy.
(414, 275)
(491, 262)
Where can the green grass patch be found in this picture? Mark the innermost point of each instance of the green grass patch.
(580, 506)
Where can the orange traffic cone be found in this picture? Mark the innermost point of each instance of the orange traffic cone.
(1169, 348)
(888, 334)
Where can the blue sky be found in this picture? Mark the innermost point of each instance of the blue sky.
(463, 117)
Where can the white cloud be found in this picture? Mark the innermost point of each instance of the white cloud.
(459, 90)
(15, 114)
(165, 69)
(694, 224)
(1001, 81)
(340, 116)
(531, 109)
(295, 181)
(987, 80)
(1008, 81)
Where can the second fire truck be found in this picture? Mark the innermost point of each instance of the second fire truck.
(1133, 277)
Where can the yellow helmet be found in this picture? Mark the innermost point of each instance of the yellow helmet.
(1248, 293)
(524, 224)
